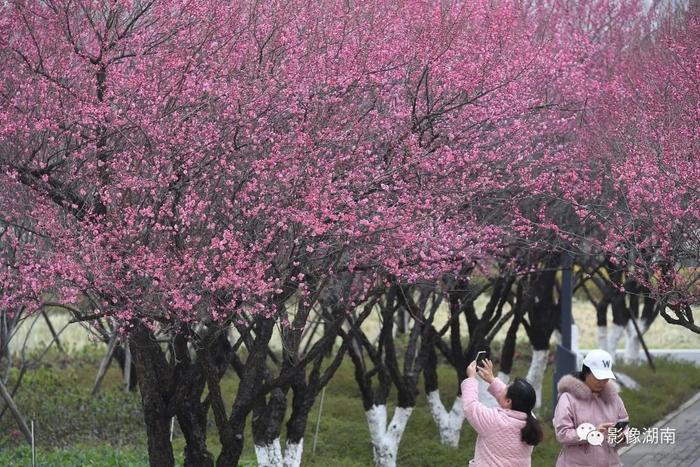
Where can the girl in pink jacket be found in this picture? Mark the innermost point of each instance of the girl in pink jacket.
(506, 434)
(589, 399)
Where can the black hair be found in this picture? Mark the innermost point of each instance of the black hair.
(523, 398)
(585, 371)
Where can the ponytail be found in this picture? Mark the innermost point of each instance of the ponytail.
(523, 398)
(532, 432)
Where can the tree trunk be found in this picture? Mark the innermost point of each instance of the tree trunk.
(385, 440)
(267, 420)
(154, 383)
(523, 302)
(160, 450)
(293, 452)
(602, 337)
(269, 454)
(121, 357)
(620, 312)
(620, 323)
(632, 343)
(484, 395)
(104, 364)
(535, 373)
(231, 431)
(192, 418)
(296, 425)
(601, 309)
(616, 333)
(231, 444)
(505, 377)
(544, 313)
(15, 412)
(449, 423)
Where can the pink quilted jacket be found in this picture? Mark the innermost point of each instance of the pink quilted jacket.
(498, 443)
(577, 404)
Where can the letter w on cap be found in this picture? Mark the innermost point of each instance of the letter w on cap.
(606, 363)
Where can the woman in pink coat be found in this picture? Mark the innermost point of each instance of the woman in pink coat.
(589, 398)
(506, 434)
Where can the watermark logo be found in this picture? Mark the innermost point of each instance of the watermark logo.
(655, 435)
(595, 438)
(583, 430)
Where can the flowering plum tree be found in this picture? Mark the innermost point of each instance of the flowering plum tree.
(186, 162)
(638, 192)
(187, 166)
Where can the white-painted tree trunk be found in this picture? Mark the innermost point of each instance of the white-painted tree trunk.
(386, 439)
(535, 373)
(556, 337)
(271, 455)
(632, 343)
(575, 347)
(614, 337)
(292, 454)
(503, 377)
(484, 396)
(449, 423)
(603, 337)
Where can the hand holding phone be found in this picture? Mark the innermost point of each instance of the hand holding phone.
(619, 430)
(480, 356)
(621, 425)
(485, 367)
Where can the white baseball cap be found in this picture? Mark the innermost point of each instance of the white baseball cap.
(600, 363)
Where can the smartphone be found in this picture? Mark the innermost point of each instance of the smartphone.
(480, 357)
(621, 425)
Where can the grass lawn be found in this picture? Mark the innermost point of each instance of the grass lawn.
(75, 429)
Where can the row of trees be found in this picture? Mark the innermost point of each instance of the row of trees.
(184, 168)
(401, 332)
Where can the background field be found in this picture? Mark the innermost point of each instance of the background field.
(661, 335)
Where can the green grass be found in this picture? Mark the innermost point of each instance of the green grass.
(98, 456)
(75, 429)
(56, 395)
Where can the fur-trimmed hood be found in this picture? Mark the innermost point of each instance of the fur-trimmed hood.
(581, 391)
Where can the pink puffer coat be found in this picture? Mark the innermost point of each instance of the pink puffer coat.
(577, 404)
(498, 443)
